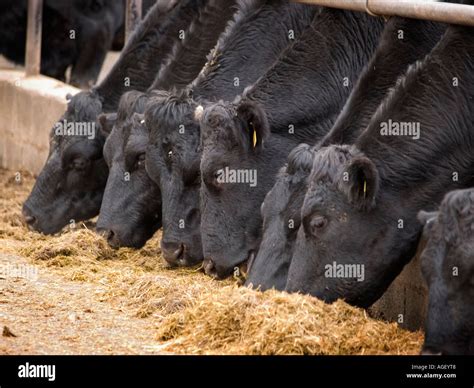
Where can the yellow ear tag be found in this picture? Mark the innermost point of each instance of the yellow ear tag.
(365, 188)
(254, 135)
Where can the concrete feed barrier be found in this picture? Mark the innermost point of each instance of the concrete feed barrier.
(29, 106)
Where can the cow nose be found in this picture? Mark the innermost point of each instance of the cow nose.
(210, 268)
(113, 239)
(28, 217)
(172, 252)
(110, 236)
(30, 220)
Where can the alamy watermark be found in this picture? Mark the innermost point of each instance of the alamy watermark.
(246, 176)
(12, 271)
(33, 371)
(75, 128)
(400, 128)
(345, 271)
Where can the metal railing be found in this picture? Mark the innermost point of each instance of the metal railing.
(416, 9)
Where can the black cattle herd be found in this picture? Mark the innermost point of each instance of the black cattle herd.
(306, 149)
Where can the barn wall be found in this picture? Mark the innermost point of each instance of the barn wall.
(28, 109)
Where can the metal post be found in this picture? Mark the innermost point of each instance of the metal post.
(33, 37)
(133, 16)
(416, 9)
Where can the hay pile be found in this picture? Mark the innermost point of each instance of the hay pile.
(77, 246)
(193, 313)
(242, 321)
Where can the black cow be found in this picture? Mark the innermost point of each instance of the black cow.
(251, 43)
(358, 220)
(123, 219)
(448, 267)
(131, 206)
(403, 42)
(71, 184)
(280, 212)
(297, 100)
(76, 33)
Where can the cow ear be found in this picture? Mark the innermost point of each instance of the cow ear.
(424, 217)
(255, 124)
(363, 183)
(107, 122)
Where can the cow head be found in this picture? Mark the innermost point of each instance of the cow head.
(71, 183)
(348, 244)
(448, 267)
(172, 161)
(131, 208)
(236, 175)
(281, 220)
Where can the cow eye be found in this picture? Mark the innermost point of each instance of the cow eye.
(78, 164)
(169, 154)
(214, 180)
(319, 222)
(140, 162)
(316, 224)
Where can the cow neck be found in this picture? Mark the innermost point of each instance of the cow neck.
(427, 96)
(141, 57)
(251, 43)
(393, 56)
(309, 84)
(189, 54)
